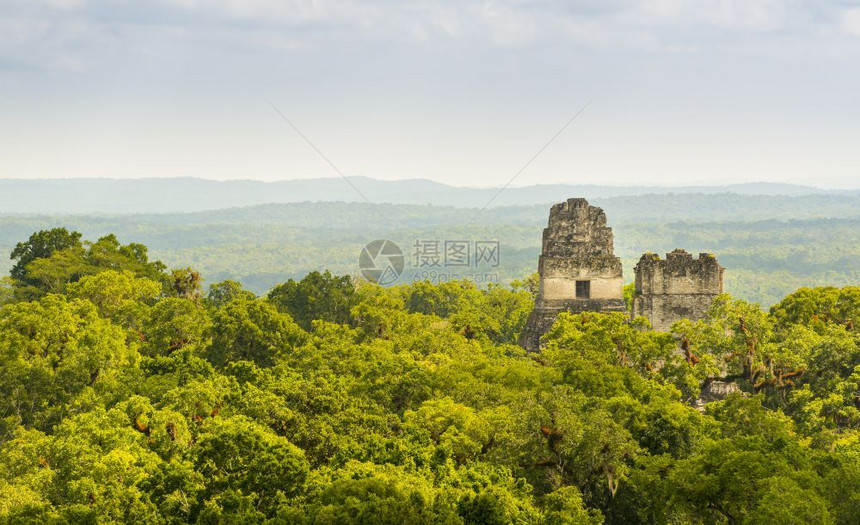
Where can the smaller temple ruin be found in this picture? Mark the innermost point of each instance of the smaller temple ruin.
(677, 287)
(578, 268)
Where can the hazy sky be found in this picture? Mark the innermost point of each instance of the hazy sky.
(683, 92)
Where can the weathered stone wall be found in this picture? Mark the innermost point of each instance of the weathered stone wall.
(577, 246)
(675, 288)
(563, 288)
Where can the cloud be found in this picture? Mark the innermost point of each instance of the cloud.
(84, 35)
(662, 8)
(851, 21)
(413, 73)
(22, 29)
(755, 15)
(502, 23)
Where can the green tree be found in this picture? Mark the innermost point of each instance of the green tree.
(52, 259)
(40, 245)
(565, 507)
(120, 296)
(235, 454)
(784, 501)
(56, 357)
(317, 296)
(108, 253)
(51, 274)
(186, 283)
(629, 294)
(252, 330)
(174, 324)
(226, 291)
(375, 494)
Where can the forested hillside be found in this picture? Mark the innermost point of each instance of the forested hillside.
(187, 194)
(129, 393)
(770, 245)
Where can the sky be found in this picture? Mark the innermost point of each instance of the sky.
(675, 92)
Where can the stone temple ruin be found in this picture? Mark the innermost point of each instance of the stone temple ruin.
(579, 272)
(677, 287)
(578, 268)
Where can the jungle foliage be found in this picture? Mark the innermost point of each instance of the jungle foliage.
(130, 394)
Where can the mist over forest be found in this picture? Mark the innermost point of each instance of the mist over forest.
(771, 238)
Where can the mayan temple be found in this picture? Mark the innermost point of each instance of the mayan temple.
(578, 268)
(677, 287)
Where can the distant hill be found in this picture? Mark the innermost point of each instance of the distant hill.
(176, 195)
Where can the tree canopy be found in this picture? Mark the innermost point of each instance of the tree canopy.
(127, 395)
